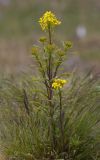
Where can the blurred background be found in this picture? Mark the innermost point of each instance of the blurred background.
(19, 29)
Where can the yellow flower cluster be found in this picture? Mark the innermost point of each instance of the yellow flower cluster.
(48, 19)
(58, 83)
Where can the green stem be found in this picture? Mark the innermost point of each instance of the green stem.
(49, 29)
(50, 94)
(50, 57)
(61, 119)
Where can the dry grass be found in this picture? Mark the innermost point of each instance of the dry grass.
(2, 157)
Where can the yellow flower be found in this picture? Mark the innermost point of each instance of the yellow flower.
(48, 19)
(58, 83)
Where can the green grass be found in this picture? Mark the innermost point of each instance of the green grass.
(25, 128)
(25, 135)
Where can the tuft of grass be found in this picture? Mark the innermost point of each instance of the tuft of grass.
(24, 128)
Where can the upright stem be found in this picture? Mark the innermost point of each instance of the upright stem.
(61, 119)
(50, 94)
(50, 65)
(49, 29)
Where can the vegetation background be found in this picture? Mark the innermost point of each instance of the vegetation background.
(19, 28)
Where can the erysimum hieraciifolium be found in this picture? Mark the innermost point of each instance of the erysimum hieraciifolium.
(48, 19)
(58, 83)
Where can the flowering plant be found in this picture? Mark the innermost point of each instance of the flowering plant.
(48, 20)
(49, 59)
(48, 116)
